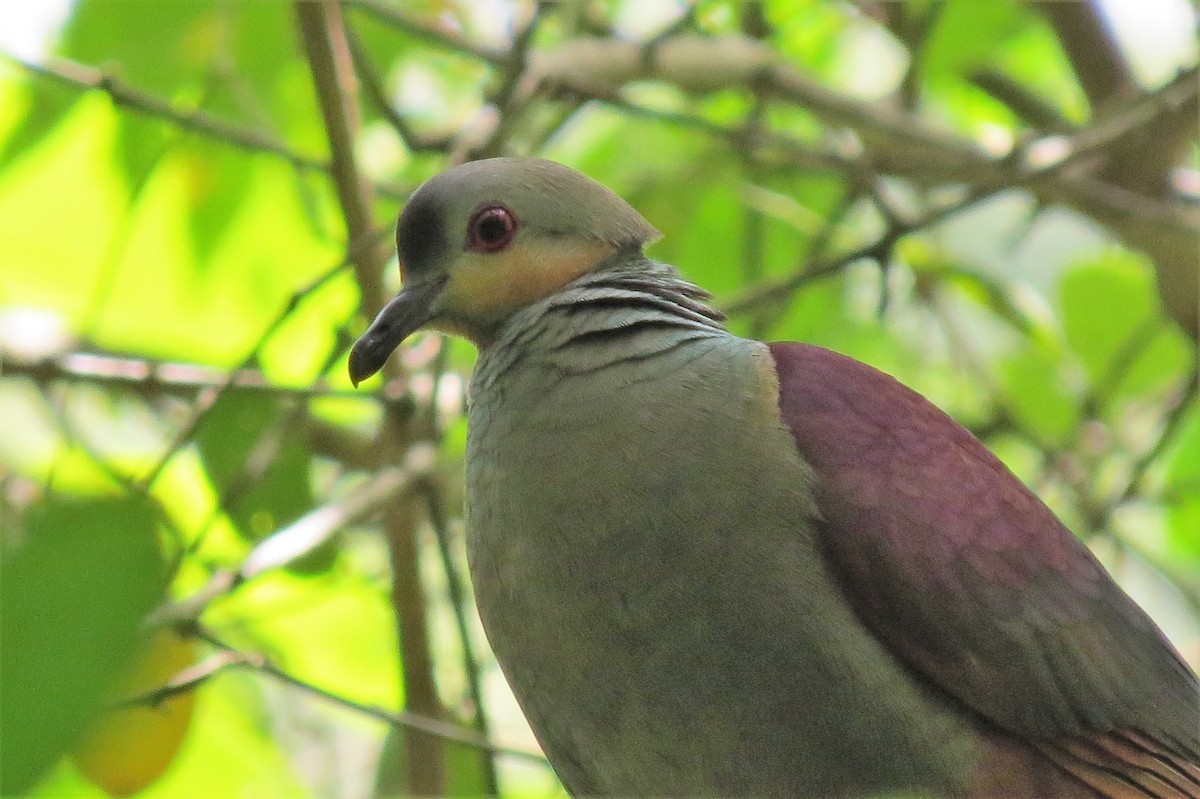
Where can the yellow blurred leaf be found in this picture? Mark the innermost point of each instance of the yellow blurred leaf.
(126, 749)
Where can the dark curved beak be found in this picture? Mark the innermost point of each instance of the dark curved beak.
(412, 308)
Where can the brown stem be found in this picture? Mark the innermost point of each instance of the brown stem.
(331, 63)
(425, 755)
(1095, 55)
(333, 77)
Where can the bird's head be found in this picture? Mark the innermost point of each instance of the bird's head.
(485, 239)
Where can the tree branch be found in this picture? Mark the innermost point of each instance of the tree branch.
(81, 76)
(431, 32)
(373, 85)
(1055, 169)
(228, 657)
(459, 598)
(330, 61)
(207, 399)
(1093, 51)
(1028, 106)
(333, 77)
(155, 378)
(294, 541)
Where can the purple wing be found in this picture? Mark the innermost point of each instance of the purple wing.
(964, 574)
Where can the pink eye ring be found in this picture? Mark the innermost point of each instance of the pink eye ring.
(491, 229)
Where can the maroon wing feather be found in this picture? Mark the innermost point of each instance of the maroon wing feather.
(963, 572)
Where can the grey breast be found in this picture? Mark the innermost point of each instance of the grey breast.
(641, 547)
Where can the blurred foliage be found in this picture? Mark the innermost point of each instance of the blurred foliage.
(79, 574)
(127, 748)
(169, 214)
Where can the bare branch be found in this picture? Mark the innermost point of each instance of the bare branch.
(302, 536)
(153, 378)
(227, 657)
(1022, 101)
(316, 527)
(81, 76)
(1176, 414)
(431, 32)
(508, 99)
(1180, 93)
(458, 596)
(413, 721)
(372, 83)
(895, 142)
(1095, 55)
(185, 681)
(333, 76)
(1055, 166)
(331, 64)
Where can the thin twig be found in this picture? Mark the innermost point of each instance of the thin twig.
(772, 290)
(330, 63)
(508, 101)
(1172, 421)
(372, 83)
(1030, 108)
(208, 398)
(302, 536)
(455, 587)
(414, 721)
(431, 32)
(82, 76)
(1021, 174)
(184, 682)
(56, 403)
(1053, 181)
(327, 49)
(160, 378)
(227, 657)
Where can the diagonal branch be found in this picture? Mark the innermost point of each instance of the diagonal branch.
(333, 77)
(1056, 170)
(1092, 49)
(302, 536)
(372, 84)
(81, 76)
(431, 32)
(208, 397)
(1077, 150)
(227, 657)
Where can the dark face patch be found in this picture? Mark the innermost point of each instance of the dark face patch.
(420, 234)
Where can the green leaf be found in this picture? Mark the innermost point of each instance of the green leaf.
(51, 104)
(75, 587)
(61, 202)
(1107, 305)
(1182, 487)
(163, 49)
(968, 32)
(1038, 397)
(250, 447)
(157, 45)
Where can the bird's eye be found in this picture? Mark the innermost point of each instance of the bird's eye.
(491, 229)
